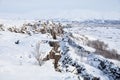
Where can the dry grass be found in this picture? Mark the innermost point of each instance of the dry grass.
(54, 29)
(98, 45)
(101, 49)
(38, 54)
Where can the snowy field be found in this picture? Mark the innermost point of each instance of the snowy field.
(18, 62)
(59, 39)
(109, 35)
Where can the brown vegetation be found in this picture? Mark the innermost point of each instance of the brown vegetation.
(54, 29)
(101, 49)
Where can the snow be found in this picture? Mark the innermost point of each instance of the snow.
(32, 72)
(18, 62)
(14, 22)
(109, 35)
(96, 72)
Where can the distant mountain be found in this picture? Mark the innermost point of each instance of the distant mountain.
(100, 21)
(92, 21)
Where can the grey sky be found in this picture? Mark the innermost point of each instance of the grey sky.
(60, 8)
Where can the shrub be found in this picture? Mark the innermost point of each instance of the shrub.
(99, 45)
(101, 49)
(38, 54)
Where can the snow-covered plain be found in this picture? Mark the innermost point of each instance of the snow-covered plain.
(17, 61)
(110, 35)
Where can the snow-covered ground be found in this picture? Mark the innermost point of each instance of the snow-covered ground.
(18, 62)
(109, 35)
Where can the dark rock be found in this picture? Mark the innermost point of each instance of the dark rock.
(96, 78)
(17, 42)
(86, 78)
(102, 65)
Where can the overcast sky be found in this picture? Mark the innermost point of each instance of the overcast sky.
(60, 9)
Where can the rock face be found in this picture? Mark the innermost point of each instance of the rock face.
(17, 42)
(2, 27)
(54, 53)
(55, 45)
(61, 51)
(106, 66)
(67, 60)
